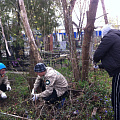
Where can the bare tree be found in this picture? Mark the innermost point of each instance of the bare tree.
(67, 10)
(88, 31)
(4, 38)
(34, 53)
(28, 31)
(104, 12)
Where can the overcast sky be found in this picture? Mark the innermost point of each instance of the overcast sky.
(112, 8)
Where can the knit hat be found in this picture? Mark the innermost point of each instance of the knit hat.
(39, 67)
(2, 66)
(106, 29)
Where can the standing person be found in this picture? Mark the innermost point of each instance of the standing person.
(108, 52)
(54, 85)
(4, 83)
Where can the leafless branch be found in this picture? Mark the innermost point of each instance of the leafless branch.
(15, 116)
(4, 38)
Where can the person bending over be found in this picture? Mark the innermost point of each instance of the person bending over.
(4, 83)
(108, 52)
(54, 85)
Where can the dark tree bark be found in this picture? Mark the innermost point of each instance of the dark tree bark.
(88, 31)
(69, 30)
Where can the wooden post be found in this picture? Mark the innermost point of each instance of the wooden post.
(51, 42)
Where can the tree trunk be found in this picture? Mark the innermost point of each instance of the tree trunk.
(34, 53)
(28, 31)
(71, 39)
(4, 38)
(104, 12)
(88, 31)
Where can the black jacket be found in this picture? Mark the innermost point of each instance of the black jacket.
(109, 52)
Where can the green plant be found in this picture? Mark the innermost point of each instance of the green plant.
(93, 93)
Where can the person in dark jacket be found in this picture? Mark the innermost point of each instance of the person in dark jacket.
(108, 52)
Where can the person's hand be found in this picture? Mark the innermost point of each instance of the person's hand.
(35, 97)
(33, 91)
(3, 95)
(95, 66)
(8, 87)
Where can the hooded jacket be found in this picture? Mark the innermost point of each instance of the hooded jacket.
(109, 52)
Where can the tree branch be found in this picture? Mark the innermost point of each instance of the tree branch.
(4, 38)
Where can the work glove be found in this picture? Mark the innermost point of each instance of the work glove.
(8, 87)
(96, 66)
(3, 95)
(35, 97)
(33, 91)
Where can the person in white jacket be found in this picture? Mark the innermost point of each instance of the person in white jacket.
(54, 85)
(4, 83)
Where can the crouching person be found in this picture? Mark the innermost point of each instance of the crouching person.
(4, 83)
(54, 85)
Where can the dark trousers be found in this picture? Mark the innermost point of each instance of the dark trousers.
(3, 87)
(53, 97)
(116, 96)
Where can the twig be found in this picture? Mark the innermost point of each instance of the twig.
(4, 38)
(69, 89)
(15, 116)
(101, 15)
